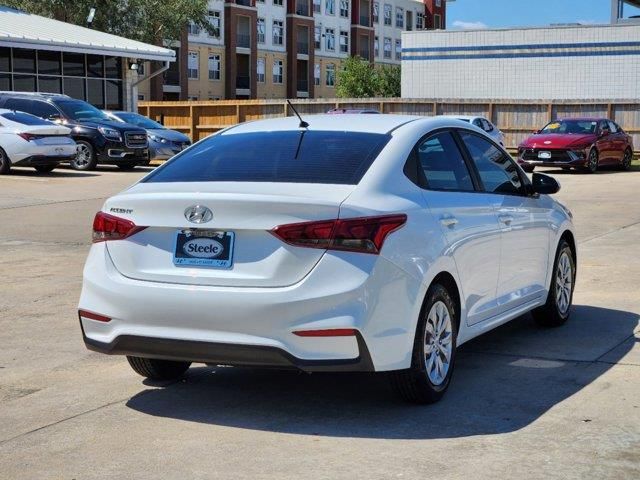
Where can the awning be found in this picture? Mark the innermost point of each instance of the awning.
(23, 30)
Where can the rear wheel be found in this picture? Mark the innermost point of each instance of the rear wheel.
(433, 351)
(592, 161)
(156, 369)
(556, 310)
(626, 160)
(45, 168)
(5, 163)
(85, 159)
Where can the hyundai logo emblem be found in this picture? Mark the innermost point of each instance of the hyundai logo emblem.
(198, 214)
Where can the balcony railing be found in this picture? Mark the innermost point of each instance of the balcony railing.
(303, 85)
(302, 8)
(243, 40)
(172, 77)
(364, 20)
(246, 3)
(303, 48)
(364, 53)
(243, 82)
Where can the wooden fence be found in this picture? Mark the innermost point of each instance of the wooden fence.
(517, 119)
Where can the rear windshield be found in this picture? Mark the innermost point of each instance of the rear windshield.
(25, 118)
(290, 157)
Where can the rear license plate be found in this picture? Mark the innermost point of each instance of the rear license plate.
(203, 248)
(544, 155)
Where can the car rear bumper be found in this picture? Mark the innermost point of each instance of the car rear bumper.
(255, 326)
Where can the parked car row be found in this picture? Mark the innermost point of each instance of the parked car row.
(43, 130)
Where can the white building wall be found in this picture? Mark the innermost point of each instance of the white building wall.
(338, 23)
(271, 12)
(558, 63)
(392, 31)
(203, 38)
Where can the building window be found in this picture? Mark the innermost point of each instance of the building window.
(331, 75)
(260, 27)
(330, 7)
(376, 47)
(277, 71)
(193, 98)
(214, 67)
(419, 21)
(277, 32)
(141, 97)
(344, 8)
(259, 1)
(192, 65)
(437, 22)
(317, 37)
(316, 74)
(376, 12)
(193, 29)
(214, 21)
(316, 6)
(277, 3)
(398, 50)
(438, 3)
(387, 47)
(331, 39)
(399, 17)
(387, 14)
(260, 71)
(344, 41)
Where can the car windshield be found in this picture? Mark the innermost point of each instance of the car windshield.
(299, 156)
(79, 110)
(138, 120)
(571, 126)
(25, 118)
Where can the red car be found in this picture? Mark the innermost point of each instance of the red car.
(585, 143)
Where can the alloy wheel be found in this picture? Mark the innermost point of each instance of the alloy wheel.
(593, 161)
(564, 283)
(438, 343)
(83, 157)
(626, 160)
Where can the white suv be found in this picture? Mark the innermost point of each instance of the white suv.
(354, 243)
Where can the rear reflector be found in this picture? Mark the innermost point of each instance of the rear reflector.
(109, 227)
(363, 234)
(333, 332)
(93, 316)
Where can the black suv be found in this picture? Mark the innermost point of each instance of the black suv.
(99, 139)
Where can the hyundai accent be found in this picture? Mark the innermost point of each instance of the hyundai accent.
(372, 243)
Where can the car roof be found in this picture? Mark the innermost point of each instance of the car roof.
(582, 119)
(464, 117)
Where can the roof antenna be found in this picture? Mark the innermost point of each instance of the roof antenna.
(303, 124)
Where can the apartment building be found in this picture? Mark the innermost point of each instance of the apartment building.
(287, 48)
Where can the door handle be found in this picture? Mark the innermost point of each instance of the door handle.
(449, 221)
(506, 219)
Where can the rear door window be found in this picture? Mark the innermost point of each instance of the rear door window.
(442, 163)
(300, 156)
(24, 118)
(19, 104)
(497, 170)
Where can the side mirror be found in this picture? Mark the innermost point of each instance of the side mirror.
(536, 132)
(544, 184)
(604, 132)
(54, 118)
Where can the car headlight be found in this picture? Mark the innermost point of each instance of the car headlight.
(158, 139)
(110, 133)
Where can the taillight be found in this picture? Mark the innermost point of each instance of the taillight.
(28, 136)
(363, 234)
(109, 227)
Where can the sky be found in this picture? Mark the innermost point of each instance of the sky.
(472, 14)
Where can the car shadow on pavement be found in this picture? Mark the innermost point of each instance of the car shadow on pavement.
(59, 172)
(503, 382)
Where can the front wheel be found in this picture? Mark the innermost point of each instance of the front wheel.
(556, 310)
(5, 163)
(156, 369)
(434, 351)
(592, 161)
(85, 159)
(626, 160)
(45, 168)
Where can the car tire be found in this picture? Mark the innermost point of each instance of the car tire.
(156, 369)
(127, 165)
(5, 163)
(626, 160)
(423, 382)
(45, 168)
(85, 159)
(592, 161)
(555, 312)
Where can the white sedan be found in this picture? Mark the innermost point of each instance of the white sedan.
(342, 243)
(29, 141)
(485, 125)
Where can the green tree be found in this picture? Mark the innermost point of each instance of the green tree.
(356, 79)
(148, 21)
